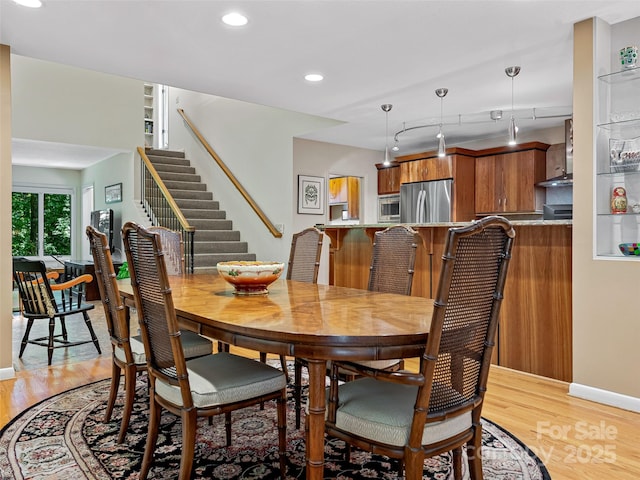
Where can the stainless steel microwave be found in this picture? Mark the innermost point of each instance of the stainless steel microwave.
(389, 208)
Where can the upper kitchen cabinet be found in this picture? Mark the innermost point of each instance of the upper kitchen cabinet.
(506, 179)
(388, 179)
(344, 192)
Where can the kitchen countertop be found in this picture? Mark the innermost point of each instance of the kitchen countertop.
(515, 223)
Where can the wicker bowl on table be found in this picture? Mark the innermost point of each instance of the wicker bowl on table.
(250, 278)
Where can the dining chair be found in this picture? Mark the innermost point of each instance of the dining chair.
(392, 267)
(173, 248)
(127, 351)
(41, 299)
(411, 416)
(211, 385)
(303, 266)
(391, 271)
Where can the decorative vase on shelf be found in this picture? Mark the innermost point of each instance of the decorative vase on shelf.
(619, 200)
(629, 56)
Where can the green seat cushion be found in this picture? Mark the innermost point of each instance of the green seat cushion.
(383, 411)
(193, 345)
(224, 378)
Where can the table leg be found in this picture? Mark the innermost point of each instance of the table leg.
(315, 419)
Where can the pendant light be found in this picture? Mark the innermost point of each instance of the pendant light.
(442, 147)
(385, 108)
(513, 129)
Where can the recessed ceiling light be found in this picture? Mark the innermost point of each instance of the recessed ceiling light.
(313, 77)
(29, 3)
(235, 19)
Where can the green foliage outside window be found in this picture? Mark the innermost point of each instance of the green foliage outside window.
(24, 217)
(57, 224)
(56, 219)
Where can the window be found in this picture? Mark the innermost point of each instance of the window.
(41, 222)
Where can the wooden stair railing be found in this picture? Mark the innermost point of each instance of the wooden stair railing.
(270, 226)
(160, 204)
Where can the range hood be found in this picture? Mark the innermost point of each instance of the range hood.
(565, 179)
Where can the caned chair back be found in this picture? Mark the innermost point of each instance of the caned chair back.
(304, 256)
(172, 249)
(105, 275)
(154, 303)
(465, 318)
(393, 260)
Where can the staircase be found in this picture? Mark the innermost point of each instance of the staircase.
(214, 239)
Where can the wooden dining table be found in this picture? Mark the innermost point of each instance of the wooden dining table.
(311, 321)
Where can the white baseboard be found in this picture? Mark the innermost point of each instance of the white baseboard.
(605, 396)
(7, 373)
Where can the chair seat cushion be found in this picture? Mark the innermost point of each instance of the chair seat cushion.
(380, 364)
(193, 345)
(223, 378)
(383, 411)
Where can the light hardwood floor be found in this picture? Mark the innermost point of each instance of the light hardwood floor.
(576, 439)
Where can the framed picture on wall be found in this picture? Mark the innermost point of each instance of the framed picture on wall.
(113, 193)
(310, 195)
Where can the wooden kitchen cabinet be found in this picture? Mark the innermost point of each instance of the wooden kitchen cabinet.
(337, 190)
(426, 169)
(506, 179)
(346, 191)
(426, 166)
(388, 179)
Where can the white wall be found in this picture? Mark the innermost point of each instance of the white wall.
(58, 103)
(256, 143)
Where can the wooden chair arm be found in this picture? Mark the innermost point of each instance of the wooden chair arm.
(402, 376)
(86, 278)
(53, 275)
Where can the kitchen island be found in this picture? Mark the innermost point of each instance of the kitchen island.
(536, 317)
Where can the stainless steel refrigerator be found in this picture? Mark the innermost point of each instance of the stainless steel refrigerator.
(426, 202)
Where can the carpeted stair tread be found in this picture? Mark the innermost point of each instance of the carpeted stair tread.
(199, 213)
(168, 160)
(190, 213)
(162, 168)
(216, 236)
(221, 247)
(164, 152)
(212, 259)
(197, 204)
(179, 177)
(181, 185)
(191, 194)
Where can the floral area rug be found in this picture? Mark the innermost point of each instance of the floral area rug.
(64, 438)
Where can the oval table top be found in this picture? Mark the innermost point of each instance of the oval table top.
(303, 319)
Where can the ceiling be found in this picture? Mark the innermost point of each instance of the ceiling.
(370, 53)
